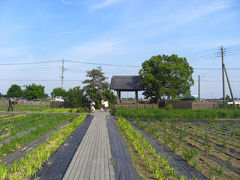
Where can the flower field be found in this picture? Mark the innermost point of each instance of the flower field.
(18, 131)
(210, 146)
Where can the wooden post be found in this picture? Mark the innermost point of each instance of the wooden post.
(118, 97)
(234, 105)
(199, 88)
(136, 98)
(223, 81)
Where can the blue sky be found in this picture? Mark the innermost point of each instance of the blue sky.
(124, 32)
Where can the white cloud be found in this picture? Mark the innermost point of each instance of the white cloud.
(70, 32)
(149, 26)
(104, 4)
(191, 13)
(66, 2)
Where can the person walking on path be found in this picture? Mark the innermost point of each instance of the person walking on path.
(103, 105)
(10, 104)
(106, 105)
(92, 106)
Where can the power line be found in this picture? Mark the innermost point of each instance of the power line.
(50, 80)
(101, 64)
(213, 81)
(237, 68)
(29, 63)
(74, 61)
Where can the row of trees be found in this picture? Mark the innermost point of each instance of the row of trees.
(96, 88)
(164, 78)
(30, 92)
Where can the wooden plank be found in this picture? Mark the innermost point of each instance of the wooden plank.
(73, 168)
(92, 158)
(81, 168)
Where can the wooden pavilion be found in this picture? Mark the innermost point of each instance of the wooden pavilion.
(126, 83)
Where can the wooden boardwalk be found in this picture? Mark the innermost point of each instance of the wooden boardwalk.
(92, 159)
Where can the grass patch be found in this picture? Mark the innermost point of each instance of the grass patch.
(68, 110)
(17, 107)
(183, 114)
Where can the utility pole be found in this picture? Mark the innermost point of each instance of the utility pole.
(234, 105)
(222, 54)
(199, 88)
(62, 77)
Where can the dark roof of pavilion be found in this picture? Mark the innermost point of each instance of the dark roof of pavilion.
(126, 83)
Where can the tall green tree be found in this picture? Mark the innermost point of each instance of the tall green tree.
(33, 92)
(97, 87)
(166, 78)
(15, 91)
(58, 92)
(76, 97)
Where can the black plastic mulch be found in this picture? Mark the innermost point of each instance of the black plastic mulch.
(123, 167)
(59, 161)
(179, 164)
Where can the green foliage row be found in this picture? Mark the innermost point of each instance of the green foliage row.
(15, 121)
(17, 107)
(175, 138)
(30, 121)
(29, 165)
(159, 166)
(68, 110)
(7, 118)
(34, 134)
(182, 114)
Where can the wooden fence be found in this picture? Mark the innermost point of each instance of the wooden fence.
(136, 105)
(176, 105)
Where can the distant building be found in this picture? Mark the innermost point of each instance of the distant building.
(126, 83)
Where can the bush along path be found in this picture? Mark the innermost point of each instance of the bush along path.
(120, 155)
(59, 161)
(28, 166)
(180, 165)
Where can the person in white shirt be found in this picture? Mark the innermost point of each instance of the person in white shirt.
(92, 106)
(103, 105)
(106, 105)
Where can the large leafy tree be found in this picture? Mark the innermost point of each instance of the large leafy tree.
(76, 97)
(15, 91)
(34, 91)
(166, 77)
(97, 87)
(58, 92)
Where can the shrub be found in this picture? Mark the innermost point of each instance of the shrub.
(169, 107)
(222, 114)
(113, 111)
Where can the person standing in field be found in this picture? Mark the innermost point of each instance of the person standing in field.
(10, 104)
(106, 105)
